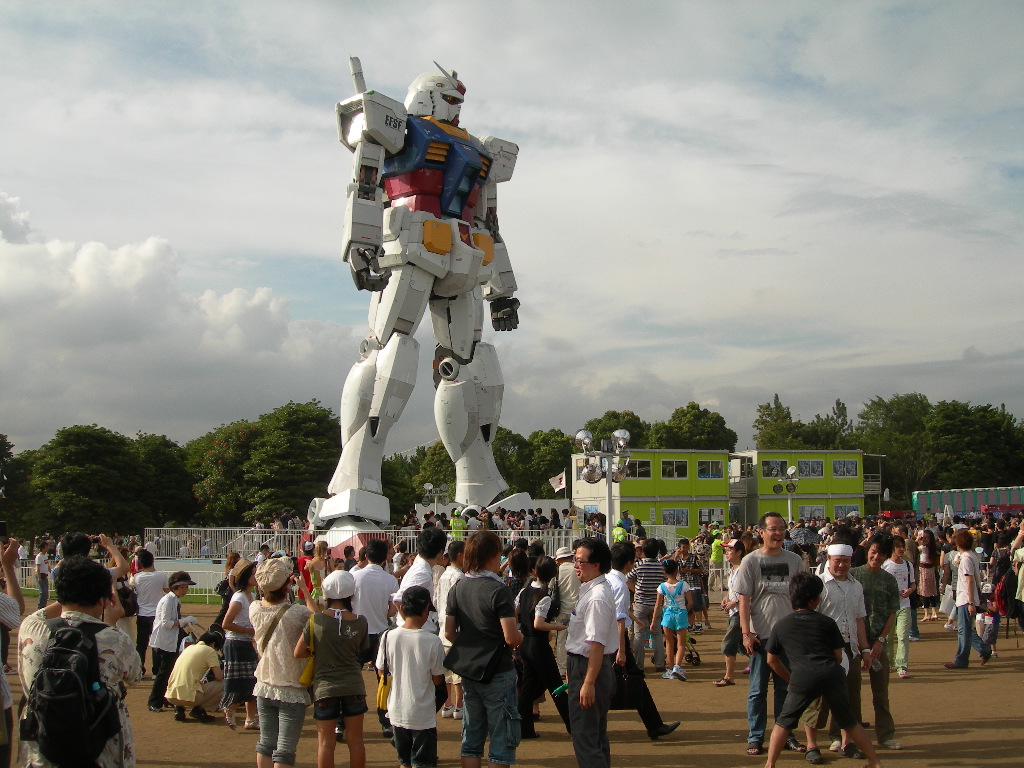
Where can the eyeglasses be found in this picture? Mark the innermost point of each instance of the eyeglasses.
(776, 530)
(577, 561)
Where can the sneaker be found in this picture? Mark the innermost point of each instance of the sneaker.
(446, 710)
(456, 713)
(179, 714)
(914, 639)
(902, 674)
(707, 625)
(892, 744)
(668, 675)
(950, 627)
(697, 629)
(678, 673)
(835, 746)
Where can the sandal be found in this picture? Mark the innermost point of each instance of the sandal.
(814, 756)
(229, 718)
(754, 748)
(724, 682)
(252, 725)
(795, 746)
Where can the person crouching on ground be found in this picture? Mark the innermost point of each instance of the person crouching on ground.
(189, 684)
(814, 647)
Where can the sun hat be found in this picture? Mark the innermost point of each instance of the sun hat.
(272, 574)
(339, 584)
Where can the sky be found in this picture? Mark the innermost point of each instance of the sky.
(712, 202)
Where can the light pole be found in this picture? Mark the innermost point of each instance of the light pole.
(615, 452)
(792, 482)
(436, 494)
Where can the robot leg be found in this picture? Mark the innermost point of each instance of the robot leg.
(467, 405)
(376, 391)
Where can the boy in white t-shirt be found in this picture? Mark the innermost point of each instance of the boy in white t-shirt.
(415, 659)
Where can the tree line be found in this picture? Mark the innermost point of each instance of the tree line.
(90, 478)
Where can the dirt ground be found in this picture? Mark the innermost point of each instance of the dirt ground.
(944, 718)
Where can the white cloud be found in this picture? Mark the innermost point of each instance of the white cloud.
(712, 202)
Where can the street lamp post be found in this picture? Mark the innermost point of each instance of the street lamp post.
(792, 482)
(439, 494)
(614, 453)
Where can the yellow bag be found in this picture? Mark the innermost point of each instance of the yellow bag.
(384, 677)
(306, 678)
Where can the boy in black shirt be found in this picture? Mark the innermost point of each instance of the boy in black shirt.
(813, 644)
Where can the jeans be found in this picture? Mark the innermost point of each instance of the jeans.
(490, 710)
(43, 580)
(967, 638)
(757, 697)
(280, 727)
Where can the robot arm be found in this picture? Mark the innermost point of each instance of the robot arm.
(372, 126)
(500, 283)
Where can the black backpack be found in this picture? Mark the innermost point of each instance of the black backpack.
(70, 713)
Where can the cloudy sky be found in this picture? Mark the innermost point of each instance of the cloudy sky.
(713, 202)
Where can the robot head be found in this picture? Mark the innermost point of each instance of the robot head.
(436, 94)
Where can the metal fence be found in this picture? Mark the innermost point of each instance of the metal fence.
(215, 543)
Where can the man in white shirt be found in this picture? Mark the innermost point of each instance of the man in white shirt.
(430, 546)
(453, 706)
(592, 645)
(623, 557)
(43, 574)
(843, 601)
(568, 594)
(372, 600)
(168, 626)
(150, 587)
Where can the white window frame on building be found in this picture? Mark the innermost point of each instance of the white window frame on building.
(710, 473)
(810, 468)
(710, 515)
(677, 517)
(673, 466)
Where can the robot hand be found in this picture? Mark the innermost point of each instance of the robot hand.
(505, 314)
(365, 273)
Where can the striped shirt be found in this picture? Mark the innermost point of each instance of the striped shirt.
(647, 575)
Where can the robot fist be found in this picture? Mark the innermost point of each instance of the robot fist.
(365, 273)
(505, 314)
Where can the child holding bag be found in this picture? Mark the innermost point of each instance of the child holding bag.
(335, 639)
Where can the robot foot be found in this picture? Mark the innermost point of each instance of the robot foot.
(515, 502)
(358, 503)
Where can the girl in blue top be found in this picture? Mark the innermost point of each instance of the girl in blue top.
(674, 597)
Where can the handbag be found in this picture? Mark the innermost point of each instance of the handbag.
(479, 668)
(306, 678)
(384, 680)
(948, 601)
(627, 687)
(915, 599)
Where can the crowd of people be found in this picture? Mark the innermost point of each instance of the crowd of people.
(483, 629)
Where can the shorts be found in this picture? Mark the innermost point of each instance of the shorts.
(675, 620)
(732, 643)
(339, 707)
(700, 602)
(832, 686)
(416, 748)
(451, 678)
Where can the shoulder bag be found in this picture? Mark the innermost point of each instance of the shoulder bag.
(384, 678)
(306, 678)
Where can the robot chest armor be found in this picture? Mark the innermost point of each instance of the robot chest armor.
(440, 170)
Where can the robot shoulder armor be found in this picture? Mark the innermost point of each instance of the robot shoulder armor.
(503, 154)
(372, 117)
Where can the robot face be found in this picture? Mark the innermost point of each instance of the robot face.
(436, 94)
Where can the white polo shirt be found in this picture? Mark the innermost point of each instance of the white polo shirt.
(374, 587)
(593, 621)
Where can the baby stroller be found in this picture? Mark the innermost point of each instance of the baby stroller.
(692, 655)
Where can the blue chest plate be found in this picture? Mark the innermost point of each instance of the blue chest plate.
(461, 161)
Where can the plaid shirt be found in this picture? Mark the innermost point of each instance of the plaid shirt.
(692, 560)
(881, 598)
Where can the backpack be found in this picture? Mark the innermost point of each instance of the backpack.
(69, 712)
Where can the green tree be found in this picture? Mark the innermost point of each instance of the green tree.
(693, 427)
(291, 458)
(89, 479)
(978, 446)
(898, 428)
(549, 454)
(218, 460)
(833, 431)
(512, 455)
(398, 473)
(774, 428)
(601, 428)
(436, 468)
(166, 480)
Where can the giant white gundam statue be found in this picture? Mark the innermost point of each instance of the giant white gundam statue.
(421, 229)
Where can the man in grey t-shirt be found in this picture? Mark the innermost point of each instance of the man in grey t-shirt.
(762, 585)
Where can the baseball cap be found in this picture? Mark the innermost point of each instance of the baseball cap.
(562, 552)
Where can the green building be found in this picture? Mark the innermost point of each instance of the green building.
(677, 489)
(828, 484)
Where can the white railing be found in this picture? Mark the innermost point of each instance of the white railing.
(215, 543)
